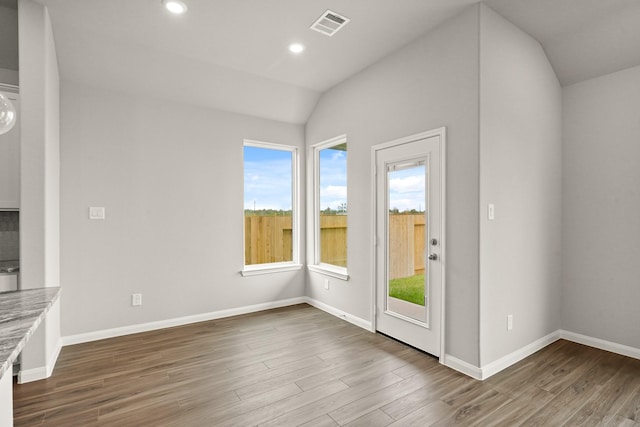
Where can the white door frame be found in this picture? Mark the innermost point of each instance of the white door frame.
(442, 134)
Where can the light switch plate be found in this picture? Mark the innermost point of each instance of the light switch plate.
(491, 211)
(96, 212)
(136, 300)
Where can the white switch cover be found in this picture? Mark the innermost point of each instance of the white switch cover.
(96, 213)
(136, 299)
(509, 322)
(326, 284)
(491, 212)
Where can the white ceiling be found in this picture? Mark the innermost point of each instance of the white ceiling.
(582, 38)
(232, 54)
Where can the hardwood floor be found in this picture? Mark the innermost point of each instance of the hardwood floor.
(300, 366)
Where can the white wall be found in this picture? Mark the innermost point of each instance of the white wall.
(171, 179)
(601, 205)
(432, 82)
(52, 158)
(520, 172)
(39, 176)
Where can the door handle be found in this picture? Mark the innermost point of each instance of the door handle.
(433, 257)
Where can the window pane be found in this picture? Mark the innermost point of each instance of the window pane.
(333, 205)
(406, 238)
(268, 204)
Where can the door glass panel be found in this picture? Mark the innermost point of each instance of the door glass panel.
(406, 238)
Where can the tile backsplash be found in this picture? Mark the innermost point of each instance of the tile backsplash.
(9, 236)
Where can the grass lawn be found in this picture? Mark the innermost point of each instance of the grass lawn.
(408, 288)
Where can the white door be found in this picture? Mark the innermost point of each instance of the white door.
(409, 217)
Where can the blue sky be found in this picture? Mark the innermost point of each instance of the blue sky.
(333, 178)
(407, 189)
(267, 181)
(267, 178)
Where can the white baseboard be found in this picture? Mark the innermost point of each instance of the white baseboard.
(43, 372)
(29, 375)
(152, 326)
(358, 321)
(502, 363)
(179, 321)
(516, 356)
(613, 347)
(54, 358)
(462, 366)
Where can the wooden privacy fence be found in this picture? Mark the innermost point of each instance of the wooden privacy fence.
(333, 239)
(269, 239)
(406, 245)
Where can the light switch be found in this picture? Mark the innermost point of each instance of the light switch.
(96, 213)
(491, 212)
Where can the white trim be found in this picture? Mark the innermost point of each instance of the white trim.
(6, 400)
(442, 134)
(330, 270)
(30, 375)
(358, 321)
(374, 240)
(43, 372)
(613, 347)
(313, 216)
(271, 145)
(516, 356)
(296, 224)
(443, 233)
(251, 270)
(161, 324)
(461, 366)
(54, 357)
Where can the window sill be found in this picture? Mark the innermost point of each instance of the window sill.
(330, 270)
(267, 269)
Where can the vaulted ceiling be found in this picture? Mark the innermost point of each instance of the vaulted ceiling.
(232, 54)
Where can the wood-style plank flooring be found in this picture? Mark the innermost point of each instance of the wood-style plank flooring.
(300, 366)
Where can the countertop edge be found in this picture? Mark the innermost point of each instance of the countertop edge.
(8, 364)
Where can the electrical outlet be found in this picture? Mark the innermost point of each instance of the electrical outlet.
(509, 322)
(96, 212)
(326, 284)
(136, 300)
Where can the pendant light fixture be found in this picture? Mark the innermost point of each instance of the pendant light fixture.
(7, 114)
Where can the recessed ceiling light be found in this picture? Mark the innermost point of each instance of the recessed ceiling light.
(296, 47)
(175, 6)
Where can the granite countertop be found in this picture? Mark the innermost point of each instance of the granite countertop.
(20, 314)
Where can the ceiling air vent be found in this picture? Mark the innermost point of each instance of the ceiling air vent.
(329, 23)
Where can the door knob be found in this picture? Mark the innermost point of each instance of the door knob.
(433, 257)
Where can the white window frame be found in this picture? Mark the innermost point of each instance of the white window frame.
(294, 264)
(313, 234)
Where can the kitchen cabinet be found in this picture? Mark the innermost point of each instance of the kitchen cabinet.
(10, 162)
